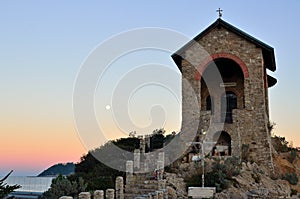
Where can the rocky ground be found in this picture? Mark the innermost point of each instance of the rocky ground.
(256, 182)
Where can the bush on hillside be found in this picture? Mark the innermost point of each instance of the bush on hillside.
(220, 176)
(62, 186)
(292, 178)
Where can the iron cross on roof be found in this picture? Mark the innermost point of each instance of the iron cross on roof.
(220, 12)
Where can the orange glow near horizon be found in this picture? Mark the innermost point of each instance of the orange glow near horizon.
(29, 145)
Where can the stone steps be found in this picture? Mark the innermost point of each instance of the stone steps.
(142, 191)
(141, 185)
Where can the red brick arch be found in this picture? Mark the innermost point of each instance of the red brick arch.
(201, 68)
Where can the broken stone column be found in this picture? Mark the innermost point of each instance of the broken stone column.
(160, 165)
(161, 184)
(142, 145)
(165, 194)
(129, 171)
(84, 195)
(119, 188)
(136, 159)
(145, 165)
(110, 194)
(148, 140)
(161, 160)
(99, 194)
(159, 194)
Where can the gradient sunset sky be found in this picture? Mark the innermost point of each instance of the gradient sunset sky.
(44, 43)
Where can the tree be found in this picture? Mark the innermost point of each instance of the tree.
(62, 186)
(5, 189)
(157, 139)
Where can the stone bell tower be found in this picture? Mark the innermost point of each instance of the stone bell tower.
(227, 71)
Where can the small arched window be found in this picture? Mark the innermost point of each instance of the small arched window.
(210, 104)
(229, 102)
(223, 144)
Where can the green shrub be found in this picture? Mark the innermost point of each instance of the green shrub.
(292, 156)
(292, 178)
(232, 166)
(62, 186)
(217, 179)
(220, 176)
(280, 144)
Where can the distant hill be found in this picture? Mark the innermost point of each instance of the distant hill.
(64, 169)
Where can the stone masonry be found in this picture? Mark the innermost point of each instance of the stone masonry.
(223, 43)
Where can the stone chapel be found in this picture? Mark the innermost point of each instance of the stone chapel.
(225, 71)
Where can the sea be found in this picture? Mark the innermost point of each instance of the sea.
(30, 184)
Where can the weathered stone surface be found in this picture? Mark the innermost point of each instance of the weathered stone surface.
(99, 194)
(66, 197)
(110, 194)
(159, 194)
(84, 195)
(251, 116)
(119, 188)
(136, 159)
(253, 182)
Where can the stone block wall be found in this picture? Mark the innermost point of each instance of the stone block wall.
(250, 122)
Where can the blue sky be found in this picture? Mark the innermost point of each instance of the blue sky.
(44, 43)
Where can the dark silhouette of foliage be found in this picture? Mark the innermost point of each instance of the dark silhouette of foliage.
(127, 144)
(220, 176)
(97, 174)
(293, 154)
(280, 144)
(169, 138)
(157, 139)
(292, 178)
(64, 169)
(6, 189)
(62, 186)
(100, 176)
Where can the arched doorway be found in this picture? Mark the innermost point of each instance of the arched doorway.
(228, 91)
(223, 144)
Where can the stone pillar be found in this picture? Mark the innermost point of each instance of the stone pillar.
(148, 140)
(66, 197)
(161, 184)
(161, 160)
(159, 194)
(165, 194)
(150, 196)
(129, 171)
(110, 194)
(142, 145)
(146, 165)
(136, 159)
(99, 194)
(119, 188)
(160, 165)
(84, 195)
